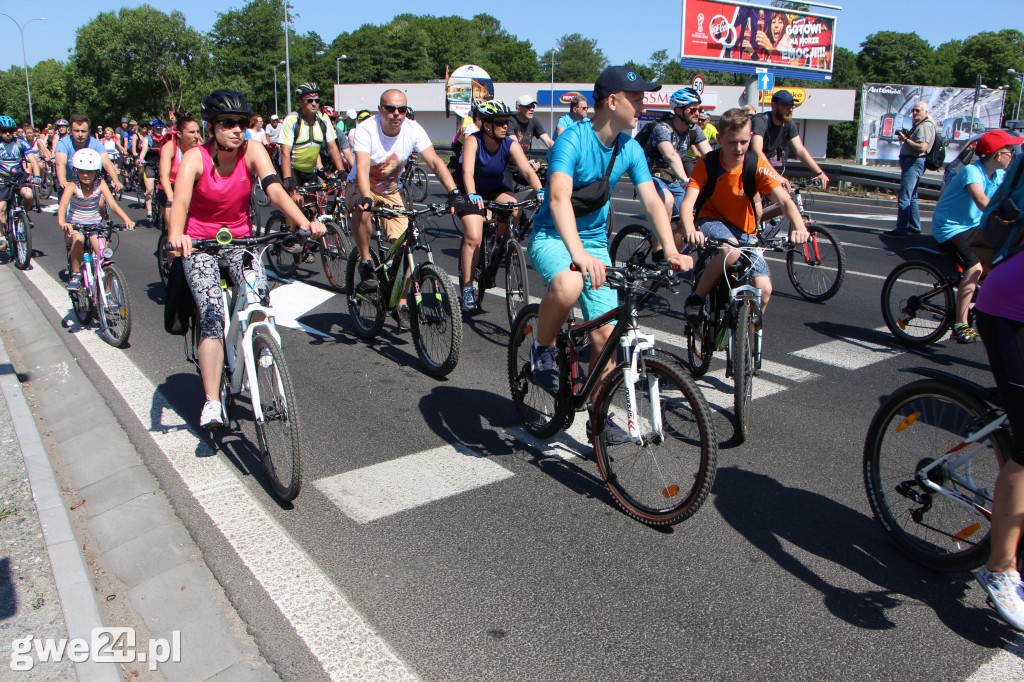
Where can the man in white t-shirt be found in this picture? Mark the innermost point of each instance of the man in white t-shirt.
(274, 129)
(382, 144)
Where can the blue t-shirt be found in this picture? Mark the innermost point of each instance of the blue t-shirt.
(567, 122)
(12, 154)
(956, 211)
(67, 146)
(579, 153)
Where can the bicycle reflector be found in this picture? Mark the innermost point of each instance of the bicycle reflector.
(223, 236)
(907, 421)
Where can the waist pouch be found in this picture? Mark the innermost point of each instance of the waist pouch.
(593, 195)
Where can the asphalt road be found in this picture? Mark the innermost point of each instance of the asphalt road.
(490, 558)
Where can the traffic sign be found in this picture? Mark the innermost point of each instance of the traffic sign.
(698, 84)
(766, 81)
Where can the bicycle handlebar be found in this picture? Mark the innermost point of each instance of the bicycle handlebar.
(510, 205)
(778, 243)
(214, 245)
(389, 212)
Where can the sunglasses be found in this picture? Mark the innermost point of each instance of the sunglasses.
(229, 122)
(500, 122)
(915, 111)
(391, 108)
(312, 100)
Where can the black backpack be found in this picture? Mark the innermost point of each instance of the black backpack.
(645, 133)
(325, 156)
(936, 156)
(713, 164)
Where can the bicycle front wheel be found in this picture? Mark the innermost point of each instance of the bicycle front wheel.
(280, 261)
(21, 244)
(633, 245)
(917, 304)
(163, 264)
(115, 312)
(436, 322)
(82, 305)
(517, 288)
(278, 433)
(817, 269)
(700, 346)
(258, 195)
(419, 185)
(367, 308)
(666, 476)
(542, 413)
(743, 369)
(334, 255)
(918, 425)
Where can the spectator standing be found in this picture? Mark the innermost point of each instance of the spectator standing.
(917, 142)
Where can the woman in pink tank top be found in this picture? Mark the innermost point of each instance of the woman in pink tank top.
(186, 136)
(212, 190)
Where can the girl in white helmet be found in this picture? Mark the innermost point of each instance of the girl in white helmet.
(80, 205)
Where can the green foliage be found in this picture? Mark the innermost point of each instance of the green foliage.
(989, 54)
(892, 57)
(578, 60)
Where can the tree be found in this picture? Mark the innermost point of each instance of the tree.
(579, 60)
(250, 41)
(946, 55)
(989, 54)
(892, 57)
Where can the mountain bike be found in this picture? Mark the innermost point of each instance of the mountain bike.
(255, 364)
(918, 299)
(931, 458)
(19, 227)
(731, 321)
(662, 474)
(497, 250)
(104, 288)
(415, 184)
(434, 312)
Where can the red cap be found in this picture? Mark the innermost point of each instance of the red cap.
(994, 140)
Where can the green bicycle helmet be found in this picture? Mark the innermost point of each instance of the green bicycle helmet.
(306, 89)
(492, 109)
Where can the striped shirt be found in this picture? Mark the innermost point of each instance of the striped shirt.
(85, 210)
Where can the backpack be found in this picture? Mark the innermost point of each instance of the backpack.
(965, 158)
(178, 302)
(936, 156)
(325, 156)
(1004, 224)
(645, 133)
(713, 164)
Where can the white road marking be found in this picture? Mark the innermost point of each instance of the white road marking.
(563, 445)
(1006, 666)
(848, 353)
(718, 390)
(394, 486)
(343, 643)
(293, 300)
(858, 216)
(786, 372)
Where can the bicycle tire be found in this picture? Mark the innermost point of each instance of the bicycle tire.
(419, 185)
(915, 320)
(743, 369)
(82, 306)
(278, 434)
(929, 416)
(700, 346)
(21, 241)
(632, 245)
(278, 260)
(162, 264)
(543, 415)
(457, 221)
(817, 269)
(436, 320)
(367, 309)
(658, 483)
(334, 256)
(115, 313)
(517, 285)
(258, 195)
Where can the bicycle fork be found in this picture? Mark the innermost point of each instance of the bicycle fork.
(634, 346)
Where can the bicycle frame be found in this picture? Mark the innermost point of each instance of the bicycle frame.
(397, 270)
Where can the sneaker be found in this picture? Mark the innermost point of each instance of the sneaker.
(1005, 594)
(613, 433)
(266, 358)
(75, 282)
(309, 257)
(964, 333)
(212, 415)
(293, 248)
(469, 299)
(544, 367)
(367, 277)
(3, 243)
(401, 315)
(693, 308)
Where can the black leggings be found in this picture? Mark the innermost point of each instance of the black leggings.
(203, 275)
(1004, 343)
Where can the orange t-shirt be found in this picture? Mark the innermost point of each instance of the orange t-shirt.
(729, 203)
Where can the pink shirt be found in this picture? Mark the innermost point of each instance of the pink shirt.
(218, 201)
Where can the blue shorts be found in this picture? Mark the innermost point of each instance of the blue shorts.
(675, 188)
(721, 230)
(549, 256)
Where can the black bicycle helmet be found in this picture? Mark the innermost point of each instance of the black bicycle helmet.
(492, 109)
(306, 89)
(224, 103)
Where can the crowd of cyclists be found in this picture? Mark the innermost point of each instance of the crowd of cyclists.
(692, 183)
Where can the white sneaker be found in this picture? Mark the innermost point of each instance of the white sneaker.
(212, 415)
(266, 358)
(1006, 594)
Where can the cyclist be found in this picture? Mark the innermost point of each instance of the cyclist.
(569, 228)
(344, 146)
(382, 146)
(15, 153)
(668, 143)
(485, 155)
(37, 143)
(274, 130)
(772, 129)
(729, 212)
(578, 108)
(255, 130)
(212, 190)
(186, 136)
(958, 214)
(59, 134)
(149, 158)
(305, 135)
(80, 139)
(112, 145)
(80, 205)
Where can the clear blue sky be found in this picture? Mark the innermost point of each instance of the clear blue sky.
(623, 34)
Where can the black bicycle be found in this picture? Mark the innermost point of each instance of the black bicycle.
(434, 317)
(918, 298)
(504, 249)
(664, 470)
(415, 184)
(19, 227)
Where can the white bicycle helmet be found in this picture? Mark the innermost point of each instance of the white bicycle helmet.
(350, 114)
(87, 160)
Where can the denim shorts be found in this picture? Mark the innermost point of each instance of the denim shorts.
(549, 256)
(721, 230)
(675, 188)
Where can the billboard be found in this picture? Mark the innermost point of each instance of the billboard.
(465, 85)
(759, 36)
(885, 110)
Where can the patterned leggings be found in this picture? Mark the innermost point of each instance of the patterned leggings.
(203, 275)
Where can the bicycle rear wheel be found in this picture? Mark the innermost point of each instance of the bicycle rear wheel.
(280, 261)
(278, 433)
(666, 477)
(743, 369)
(367, 308)
(542, 414)
(633, 245)
(917, 425)
(334, 256)
(82, 306)
(700, 346)
(435, 321)
(258, 195)
(115, 313)
(917, 303)
(419, 185)
(517, 287)
(162, 263)
(817, 269)
(21, 240)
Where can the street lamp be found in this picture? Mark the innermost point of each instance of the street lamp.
(275, 87)
(1020, 87)
(551, 117)
(337, 64)
(24, 59)
(287, 59)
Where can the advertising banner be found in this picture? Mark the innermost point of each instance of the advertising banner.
(562, 97)
(756, 35)
(885, 110)
(466, 84)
